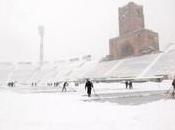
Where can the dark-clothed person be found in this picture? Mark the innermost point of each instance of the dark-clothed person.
(173, 83)
(89, 86)
(126, 83)
(64, 86)
(130, 85)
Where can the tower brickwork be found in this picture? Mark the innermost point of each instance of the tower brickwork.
(134, 39)
(130, 18)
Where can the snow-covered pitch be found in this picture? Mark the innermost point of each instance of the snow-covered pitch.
(111, 107)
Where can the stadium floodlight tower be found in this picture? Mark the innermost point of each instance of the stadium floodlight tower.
(41, 33)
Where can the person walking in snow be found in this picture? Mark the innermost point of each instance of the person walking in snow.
(130, 85)
(173, 83)
(64, 86)
(126, 83)
(89, 86)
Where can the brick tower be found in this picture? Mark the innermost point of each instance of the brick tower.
(130, 18)
(134, 39)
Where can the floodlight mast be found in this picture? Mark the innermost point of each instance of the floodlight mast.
(41, 33)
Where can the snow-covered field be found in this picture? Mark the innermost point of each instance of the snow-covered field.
(52, 110)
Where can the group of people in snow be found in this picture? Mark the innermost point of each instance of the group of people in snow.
(11, 84)
(88, 87)
(128, 83)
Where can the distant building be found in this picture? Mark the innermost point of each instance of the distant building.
(134, 39)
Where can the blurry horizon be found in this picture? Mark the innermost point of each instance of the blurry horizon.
(73, 28)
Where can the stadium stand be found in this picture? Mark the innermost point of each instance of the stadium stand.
(157, 64)
(82, 70)
(132, 67)
(22, 72)
(5, 71)
(164, 66)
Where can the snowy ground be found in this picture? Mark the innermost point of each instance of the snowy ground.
(43, 108)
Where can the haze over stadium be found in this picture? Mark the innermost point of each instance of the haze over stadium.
(126, 87)
(72, 28)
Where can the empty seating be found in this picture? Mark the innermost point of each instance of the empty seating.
(154, 64)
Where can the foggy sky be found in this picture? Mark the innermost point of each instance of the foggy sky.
(73, 28)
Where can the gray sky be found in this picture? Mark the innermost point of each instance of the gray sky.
(73, 27)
